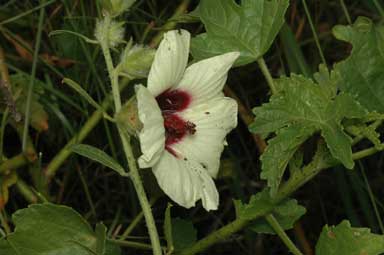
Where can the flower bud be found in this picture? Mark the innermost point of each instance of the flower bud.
(110, 31)
(116, 7)
(136, 61)
(128, 118)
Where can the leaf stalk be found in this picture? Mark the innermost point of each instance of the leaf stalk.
(281, 233)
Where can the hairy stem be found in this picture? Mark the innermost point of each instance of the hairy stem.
(267, 74)
(144, 203)
(125, 139)
(111, 70)
(136, 245)
(135, 221)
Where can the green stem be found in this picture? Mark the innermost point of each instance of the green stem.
(365, 153)
(32, 79)
(137, 245)
(219, 235)
(314, 32)
(267, 74)
(374, 126)
(144, 203)
(135, 221)
(2, 129)
(13, 163)
(125, 139)
(26, 191)
(111, 70)
(281, 233)
(4, 222)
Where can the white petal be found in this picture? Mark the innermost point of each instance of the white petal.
(170, 61)
(214, 120)
(152, 135)
(205, 79)
(209, 196)
(185, 182)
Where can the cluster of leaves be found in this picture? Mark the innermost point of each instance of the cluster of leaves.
(338, 104)
(349, 98)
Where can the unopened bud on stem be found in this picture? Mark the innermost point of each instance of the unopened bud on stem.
(136, 61)
(128, 118)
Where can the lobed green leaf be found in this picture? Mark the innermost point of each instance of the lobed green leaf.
(299, 109)
(249, 28)
(361, 74)
(345, 240)
(286, 213)
(54, 230)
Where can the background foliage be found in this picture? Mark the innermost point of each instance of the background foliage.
(99, 194)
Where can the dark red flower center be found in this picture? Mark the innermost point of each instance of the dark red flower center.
(171, 102)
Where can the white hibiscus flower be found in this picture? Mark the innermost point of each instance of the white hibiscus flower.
(185, 120)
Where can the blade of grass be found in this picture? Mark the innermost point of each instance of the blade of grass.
(346, 196)
(372, 198)
(346, 13)
(87, 193)
(362, 198)
(379, 7)
(32, 79)
(39, 7)
(314, 32)
(293, 53)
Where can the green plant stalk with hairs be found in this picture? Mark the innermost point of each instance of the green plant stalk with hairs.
(126, 142)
